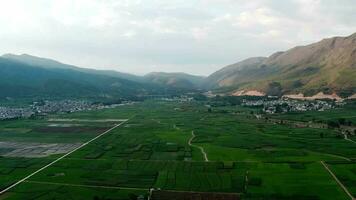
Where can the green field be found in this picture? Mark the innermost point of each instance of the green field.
(251, 157)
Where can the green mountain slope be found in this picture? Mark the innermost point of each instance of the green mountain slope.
(21, 80)
(53, 64)
(327, 66)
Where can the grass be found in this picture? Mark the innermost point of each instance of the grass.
(281, 181)
(253, 157)
(346, 173)
(30, 190)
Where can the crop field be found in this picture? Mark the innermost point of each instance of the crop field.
(346, 173)
(177, 148)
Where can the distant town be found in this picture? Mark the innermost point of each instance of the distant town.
(267, 105)
(48, 107)
(284, 105)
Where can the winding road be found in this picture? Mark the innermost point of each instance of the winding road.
(199, 147)
(348, 139)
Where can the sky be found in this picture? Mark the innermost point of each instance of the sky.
(192, 36)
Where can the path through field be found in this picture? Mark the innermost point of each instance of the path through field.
(199, 147)
(81, 185)
(60, 158)
(337, 180)
(348, 139)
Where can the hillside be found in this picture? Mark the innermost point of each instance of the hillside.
(166, 82)
(53, 64)
(22, 80)
(175, 80)
(327, 66)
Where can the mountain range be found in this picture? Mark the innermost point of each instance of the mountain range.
(327, 66)
(27, 76)
(18, 80)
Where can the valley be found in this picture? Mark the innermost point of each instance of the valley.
(168, 149)
(178, 100)
(320, 70)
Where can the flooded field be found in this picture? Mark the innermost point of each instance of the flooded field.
(34, 150)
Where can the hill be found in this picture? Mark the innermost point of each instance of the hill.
(53, 64)
(327, 66)
(20, 80)
(175, 80)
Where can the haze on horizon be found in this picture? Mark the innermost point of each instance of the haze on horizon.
(137, 36)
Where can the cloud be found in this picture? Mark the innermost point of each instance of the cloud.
(193, 36)
(257, 17)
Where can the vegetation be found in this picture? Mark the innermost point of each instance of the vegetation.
(254, 158)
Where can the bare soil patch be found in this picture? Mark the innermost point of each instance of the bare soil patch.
(35, 150)
(73, 129)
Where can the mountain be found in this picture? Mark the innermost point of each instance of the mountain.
(236, 73)
(326, 66)
(19, 80)
(175, 80)
(53, 64)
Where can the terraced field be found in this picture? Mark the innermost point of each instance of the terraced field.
(248, 158)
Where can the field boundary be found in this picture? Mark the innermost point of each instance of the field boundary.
(125, 188)
(81, 185)
(337, 180)
(60, 158)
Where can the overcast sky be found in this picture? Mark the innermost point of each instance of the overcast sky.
(193, 36)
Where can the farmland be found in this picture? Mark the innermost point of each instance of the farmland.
(246, 157)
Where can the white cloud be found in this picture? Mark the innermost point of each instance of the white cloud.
(257, 17)
(177, 35)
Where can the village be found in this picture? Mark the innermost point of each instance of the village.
(283, 105)
(47, 107)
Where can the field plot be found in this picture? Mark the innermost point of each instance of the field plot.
(346, 173)
(28, 145)
(33, 150)
(44, 131)
(248, 158)
(291, 181)
(30, 190)
(191, 176)
(13, 169)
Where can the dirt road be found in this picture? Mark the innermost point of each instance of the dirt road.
(199, 147)
(337, 180)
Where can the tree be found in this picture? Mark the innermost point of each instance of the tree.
(333, 124)
(200, 97)
(342, 121)
(279, 108)
(321, 135)
(133, 196)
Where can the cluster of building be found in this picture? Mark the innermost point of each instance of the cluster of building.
(181, 98)
(60, 106)
(46, 107)
(12, 113)
(289, 105)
